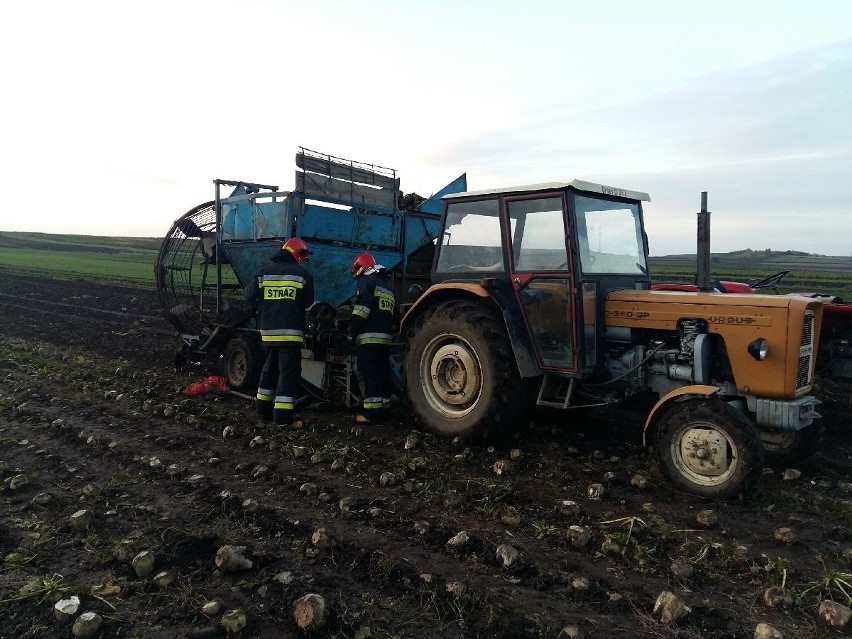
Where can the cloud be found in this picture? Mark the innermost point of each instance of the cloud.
(770, 143)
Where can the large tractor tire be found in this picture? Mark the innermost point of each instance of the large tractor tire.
(242, 363)
(707, 448)
(787, 447)
(460, 372)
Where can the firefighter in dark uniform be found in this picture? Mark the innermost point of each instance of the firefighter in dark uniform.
(371, 328)
(282, 290)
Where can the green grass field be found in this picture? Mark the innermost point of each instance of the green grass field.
(129, 261)
(114, 260)
(808, 273)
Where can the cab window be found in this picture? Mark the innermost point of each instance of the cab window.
(609, 236)
(538, 234)
(472, 240)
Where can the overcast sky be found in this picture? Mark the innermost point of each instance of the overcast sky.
(116, 116)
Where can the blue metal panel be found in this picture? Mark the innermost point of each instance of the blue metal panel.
(368, 227)
(434, 204)
(326, 223)
(245, 218)
(420, 230)
(246, 258)
(271, 219)
(230, 212)
(330, 266)
(376, 228)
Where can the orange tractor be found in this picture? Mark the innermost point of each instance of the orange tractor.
(541, 296)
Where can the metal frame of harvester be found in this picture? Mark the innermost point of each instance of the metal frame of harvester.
(341, 208)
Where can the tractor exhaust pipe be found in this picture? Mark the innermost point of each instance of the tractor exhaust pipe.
(702, 278)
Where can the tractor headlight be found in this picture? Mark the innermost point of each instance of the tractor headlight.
(759, 349)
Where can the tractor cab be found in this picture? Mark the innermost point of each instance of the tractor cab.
(548, 254)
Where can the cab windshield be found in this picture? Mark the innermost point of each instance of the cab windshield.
(609, 236)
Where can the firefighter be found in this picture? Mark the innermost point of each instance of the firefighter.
(371, 328)
(282, 290)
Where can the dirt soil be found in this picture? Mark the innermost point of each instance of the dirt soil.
(92, 417)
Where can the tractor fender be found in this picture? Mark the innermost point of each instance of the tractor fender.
(436, 294)
(449, 291)
(695, 390)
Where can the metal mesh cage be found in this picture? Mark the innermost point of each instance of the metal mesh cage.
(185, 270)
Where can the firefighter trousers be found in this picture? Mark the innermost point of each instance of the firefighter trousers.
(374, 367)
(279, 382)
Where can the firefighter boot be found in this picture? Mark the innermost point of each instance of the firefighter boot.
(263, 409)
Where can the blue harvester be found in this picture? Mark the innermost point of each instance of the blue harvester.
(341, 208)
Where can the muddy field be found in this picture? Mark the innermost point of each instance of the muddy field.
(92, 419)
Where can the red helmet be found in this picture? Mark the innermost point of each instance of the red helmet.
(362, 263)
(297, 248)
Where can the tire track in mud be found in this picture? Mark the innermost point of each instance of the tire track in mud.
(358, 535)
(376, 553)
(15, 300)
(87, 314)
(120, 324)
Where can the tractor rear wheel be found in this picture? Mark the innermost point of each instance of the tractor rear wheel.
(242, 363)
(707, 448)
(460, 372)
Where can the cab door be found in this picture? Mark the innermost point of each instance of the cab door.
(540, 269)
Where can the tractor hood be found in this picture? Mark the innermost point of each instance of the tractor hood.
(663, 309)
(790, 326)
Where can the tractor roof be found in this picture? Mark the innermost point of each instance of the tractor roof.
(579, 185)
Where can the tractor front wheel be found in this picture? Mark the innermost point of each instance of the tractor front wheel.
(707, 448)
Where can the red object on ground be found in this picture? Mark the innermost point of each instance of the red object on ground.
(220, 383)
(213, 384)
(197, 388)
